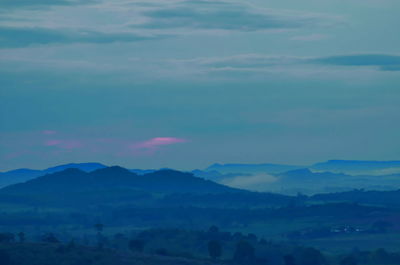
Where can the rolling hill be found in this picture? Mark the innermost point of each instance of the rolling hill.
(359, 167)
(25, 174)
(76, 180)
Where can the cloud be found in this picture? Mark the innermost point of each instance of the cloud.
(12, 37)
(246, 61)
(156, 142)
(230, 16)
(383, 61)
(39, 3)
(390, 68)
(264, 63)
(49, 132)
(312, 37)
(256, 182)
(63, 144)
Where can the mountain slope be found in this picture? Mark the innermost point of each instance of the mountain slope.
(250, 168)
(75, 180)
(87, 167)
(305, 174)
(24, 174)
(359, 166)
(18, 175)
(386, 198)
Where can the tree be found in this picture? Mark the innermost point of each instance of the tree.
(4, 258)
(213, 233)
(21, 236)
(381, 226)
(50, 238)
(71, 245)
(99, 227)
(252, 237)
(136, 245)
(100, 239)
(244, 253)
(7, 237)
(214, 249)
(380, 256)
(311, 256)
(161, 252)
(288, 260)
(349, 260)
(213, 230)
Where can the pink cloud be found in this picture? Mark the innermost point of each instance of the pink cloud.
(52, 142)
(64, 144)
(156, 142)
(16, 154)
(49, 132)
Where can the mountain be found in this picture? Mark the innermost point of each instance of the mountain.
(142, 171)
(216, 176)
(308, 182)
(311, 182)
(111, 178)
(292, 182)
(305, 174)
(386, 198)
(359, 167)
(87, 167)
(18, 175)
(116, 186)
(250, 168)
(24, 174)
(304, 180)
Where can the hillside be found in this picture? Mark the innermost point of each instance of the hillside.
(25, 174)
(250, 168)
(56, 253)
(75, 180)
(359, 166)
(385, 198)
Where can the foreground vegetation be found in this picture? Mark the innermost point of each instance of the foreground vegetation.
(175, 247)
(112, 216)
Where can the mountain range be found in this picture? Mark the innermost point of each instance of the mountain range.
(329, 176)
(73, 186)
(115, 177)
(119, 186)
(359, 167)
(24, 174)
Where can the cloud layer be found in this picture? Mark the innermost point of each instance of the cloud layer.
(384, 61)
(230, 16)
(259, 62)
(157, 142)
(129, 22)
(38, 3)
(13, 37)
(282, 81)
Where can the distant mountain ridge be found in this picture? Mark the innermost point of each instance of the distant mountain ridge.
(117, 185)
(115, 177)
(357, 166)
(251, 168)
(305, 174)
(334, 166)
(25, 174)
(331, 175)
(87, 167)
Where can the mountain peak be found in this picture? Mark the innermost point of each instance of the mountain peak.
(71, 170)
(116, 177)
(115, 170)
(88, 167)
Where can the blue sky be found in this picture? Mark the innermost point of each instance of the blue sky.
(184, 84)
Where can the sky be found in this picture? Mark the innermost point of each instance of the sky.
(184, 84)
